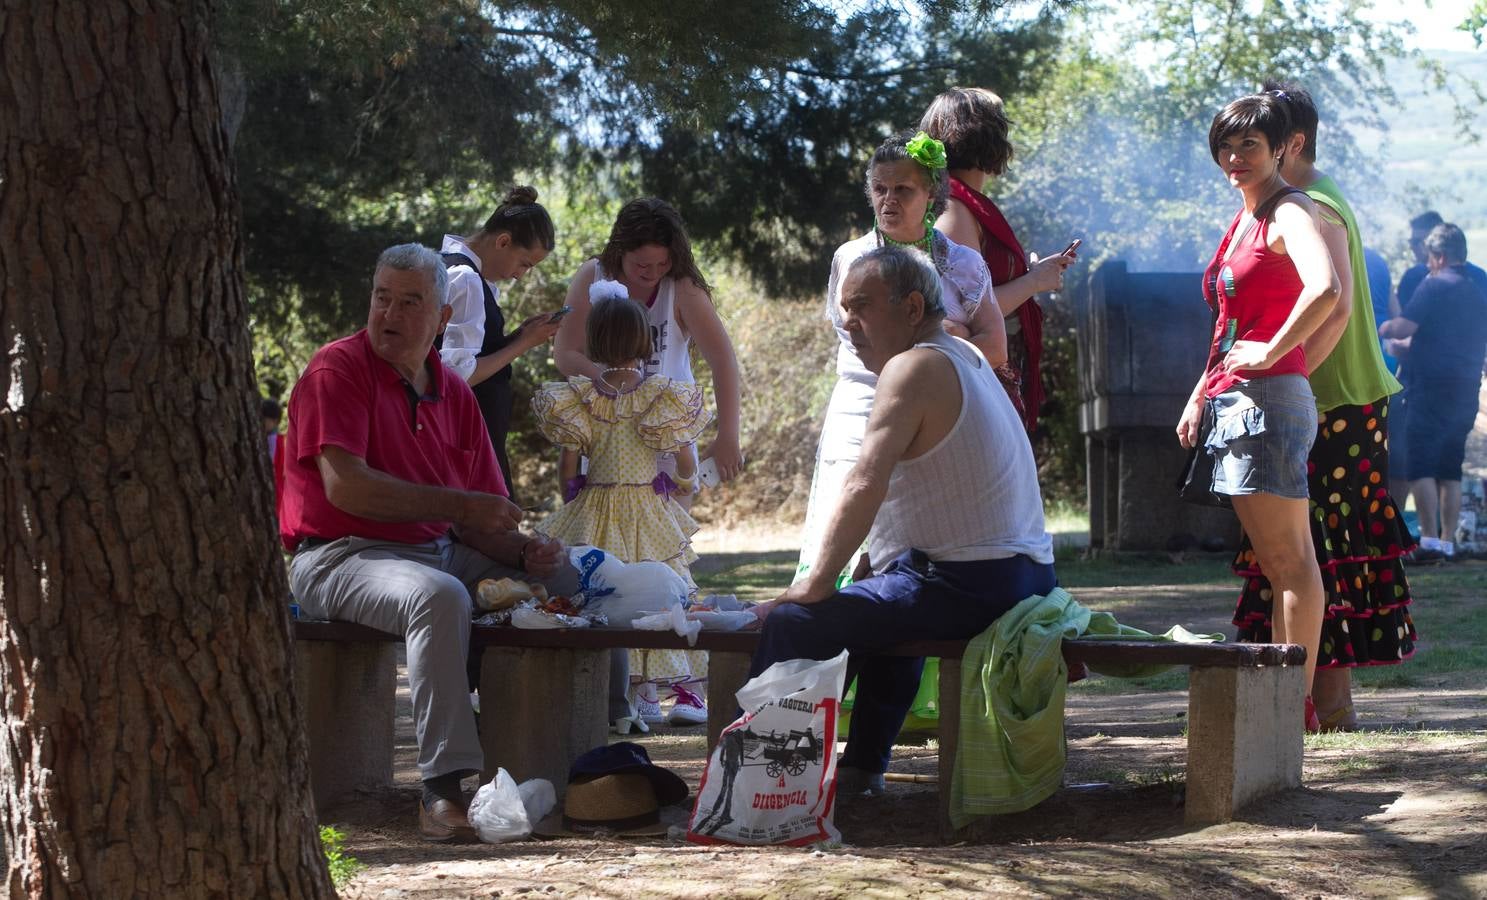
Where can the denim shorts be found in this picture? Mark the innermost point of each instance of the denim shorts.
(1262, 433)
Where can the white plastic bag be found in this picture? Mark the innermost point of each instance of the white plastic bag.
(674, 619)
(538, 796)
(625, 592)
(772, 777)
(498, 813)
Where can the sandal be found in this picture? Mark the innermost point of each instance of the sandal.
(1337, 720)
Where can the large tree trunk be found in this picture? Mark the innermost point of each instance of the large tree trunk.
(151, 745)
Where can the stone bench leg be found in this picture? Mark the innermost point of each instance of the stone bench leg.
(1244, 738)
(726, 673)
(949, 738)
(347, 693)
(541, 709)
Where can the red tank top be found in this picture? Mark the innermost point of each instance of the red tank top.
(1253, 291)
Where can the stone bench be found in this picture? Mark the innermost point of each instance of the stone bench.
(544, 701)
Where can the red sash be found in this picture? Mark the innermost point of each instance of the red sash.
(1005, 267)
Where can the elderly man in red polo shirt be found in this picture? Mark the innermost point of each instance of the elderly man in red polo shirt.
(394, 507)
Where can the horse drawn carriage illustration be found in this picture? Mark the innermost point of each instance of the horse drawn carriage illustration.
(790, 752)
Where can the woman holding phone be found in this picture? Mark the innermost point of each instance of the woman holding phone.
(1271, 284)
(516, 237)
(973, 126)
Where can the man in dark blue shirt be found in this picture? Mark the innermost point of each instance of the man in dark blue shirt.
(1444, 329)
(1419, 227)
(1410, 281)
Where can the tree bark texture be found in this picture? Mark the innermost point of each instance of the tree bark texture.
(150, 745)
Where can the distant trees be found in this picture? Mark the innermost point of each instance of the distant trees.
(365, 123)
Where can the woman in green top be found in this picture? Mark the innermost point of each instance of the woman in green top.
(1357, 528)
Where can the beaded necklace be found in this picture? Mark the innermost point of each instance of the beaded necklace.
(924, 243)
(604, 380)
(927, 244)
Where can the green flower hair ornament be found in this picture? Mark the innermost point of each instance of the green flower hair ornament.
(927, 152)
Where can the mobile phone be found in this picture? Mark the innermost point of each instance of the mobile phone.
(707, 473)
(1073, 245)
(558, 316)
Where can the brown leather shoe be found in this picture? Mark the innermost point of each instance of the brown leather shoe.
(444, 821)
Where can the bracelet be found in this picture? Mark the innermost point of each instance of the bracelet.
(521, 556)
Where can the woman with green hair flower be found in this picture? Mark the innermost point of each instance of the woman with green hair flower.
(906, 188)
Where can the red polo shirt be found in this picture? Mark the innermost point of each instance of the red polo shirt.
(351, 398)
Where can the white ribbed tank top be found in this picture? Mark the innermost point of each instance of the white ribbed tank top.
(974, 495)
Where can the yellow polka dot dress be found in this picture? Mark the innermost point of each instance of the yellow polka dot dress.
(618, 509)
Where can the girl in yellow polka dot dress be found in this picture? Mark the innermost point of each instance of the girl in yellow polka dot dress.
(620, 421)
(624, 505)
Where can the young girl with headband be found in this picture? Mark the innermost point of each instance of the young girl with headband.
(620, 419)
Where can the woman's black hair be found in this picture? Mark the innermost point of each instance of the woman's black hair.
(1264, 113)
(522, 217)
(1302, 110)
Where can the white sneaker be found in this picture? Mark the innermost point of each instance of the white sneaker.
(689, 709)
(649, 711)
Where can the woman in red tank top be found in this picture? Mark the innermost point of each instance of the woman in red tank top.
(1270, 284)
(973, 127)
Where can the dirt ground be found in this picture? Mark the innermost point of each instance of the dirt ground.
(1397, 810)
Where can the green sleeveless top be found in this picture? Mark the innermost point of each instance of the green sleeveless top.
(1353, 374)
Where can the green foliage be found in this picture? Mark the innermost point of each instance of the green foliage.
(1476, 21)
(365, 125)
(787, 352)
(778, 184)
(343, 867)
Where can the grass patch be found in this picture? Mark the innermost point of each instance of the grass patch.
(1452, 632)
(1064, 517)
(343, 867)
(1365, 765)
(1143, 571)
(1173, 680)
(750, 576)
(1381, 739)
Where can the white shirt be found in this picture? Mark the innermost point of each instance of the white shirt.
(965, 284)
(974, 495)
(465, 333)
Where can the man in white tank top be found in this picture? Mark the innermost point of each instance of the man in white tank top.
(945, 493)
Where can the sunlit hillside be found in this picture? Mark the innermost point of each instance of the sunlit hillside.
(1428, 164)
